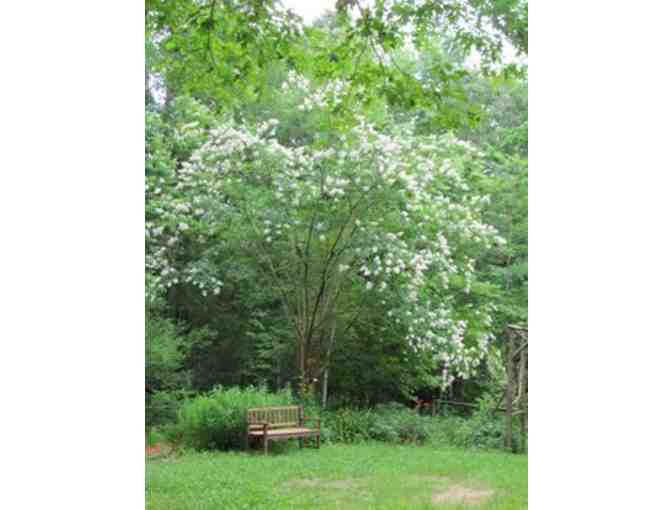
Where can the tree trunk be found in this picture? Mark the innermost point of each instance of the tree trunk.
(327, 361)
(325, 385)
(301, 362)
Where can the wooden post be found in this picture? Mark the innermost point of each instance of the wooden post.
(522, 401)
(523, 431)
(265, 438)
(301, 423)
(511, 378)
(516, 385)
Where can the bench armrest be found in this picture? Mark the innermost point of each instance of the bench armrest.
(258, 426)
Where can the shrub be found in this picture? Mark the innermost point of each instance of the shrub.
(346, 425)
(217, 420)
(395, 423)
(390, 423)
(483, 429)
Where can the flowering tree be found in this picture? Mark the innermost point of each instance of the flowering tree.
(358, 216)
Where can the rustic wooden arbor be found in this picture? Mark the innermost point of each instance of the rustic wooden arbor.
(516, 384)
(515, 391)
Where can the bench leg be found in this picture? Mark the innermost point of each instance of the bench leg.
(265, 446)
(300, 442)
(318, 441)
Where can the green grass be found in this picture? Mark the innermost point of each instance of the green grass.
(362, 476)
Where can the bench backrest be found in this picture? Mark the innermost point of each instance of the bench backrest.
(276, 417)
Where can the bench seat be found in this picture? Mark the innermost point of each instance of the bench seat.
(285, 432)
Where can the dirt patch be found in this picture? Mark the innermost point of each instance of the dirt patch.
(322, 484)
(460, 494)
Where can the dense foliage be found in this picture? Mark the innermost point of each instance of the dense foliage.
(218, 419)
(340, 207)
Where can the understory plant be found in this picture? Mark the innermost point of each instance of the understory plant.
(392, 423)
(217, 420)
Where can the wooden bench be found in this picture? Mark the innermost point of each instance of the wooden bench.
(280, 423)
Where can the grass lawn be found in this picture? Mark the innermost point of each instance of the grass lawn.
(362, 476)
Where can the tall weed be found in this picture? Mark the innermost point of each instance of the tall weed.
(217, 420)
